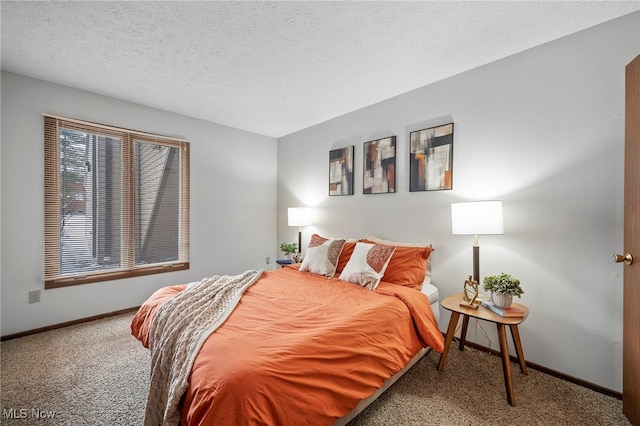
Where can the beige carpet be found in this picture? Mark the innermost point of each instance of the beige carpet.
(97, 374)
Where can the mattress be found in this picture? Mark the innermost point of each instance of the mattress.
(432, 294)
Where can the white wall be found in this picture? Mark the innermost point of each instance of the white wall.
(543, 131)
(233, 201)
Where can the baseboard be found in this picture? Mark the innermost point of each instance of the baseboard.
(66, 324)
(549, 371)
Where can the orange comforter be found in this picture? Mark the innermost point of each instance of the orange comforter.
(299, 349)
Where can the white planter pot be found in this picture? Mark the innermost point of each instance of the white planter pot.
(501, 300)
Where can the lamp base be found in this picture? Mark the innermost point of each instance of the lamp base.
(476, 262)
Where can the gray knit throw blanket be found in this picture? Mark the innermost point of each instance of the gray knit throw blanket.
(177, 333)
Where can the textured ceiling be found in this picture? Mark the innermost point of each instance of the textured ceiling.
(275, 67)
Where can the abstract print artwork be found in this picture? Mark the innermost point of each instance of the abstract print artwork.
(379, 174)
(341, 171)
(431, 158)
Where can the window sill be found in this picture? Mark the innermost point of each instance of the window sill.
(67, 281)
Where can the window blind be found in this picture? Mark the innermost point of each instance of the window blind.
(116, 203)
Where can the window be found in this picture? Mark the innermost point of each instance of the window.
(116, 203)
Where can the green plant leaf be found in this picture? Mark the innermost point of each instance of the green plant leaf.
(503, 284)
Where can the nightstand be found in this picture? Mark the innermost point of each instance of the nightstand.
(452, 303)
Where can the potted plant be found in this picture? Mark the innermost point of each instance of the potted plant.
(502, 287)
(288, 249)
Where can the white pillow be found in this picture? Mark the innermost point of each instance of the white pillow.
(367, 264)
(322, 256)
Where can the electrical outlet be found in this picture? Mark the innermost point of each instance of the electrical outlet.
(267, 260)
(34, 296)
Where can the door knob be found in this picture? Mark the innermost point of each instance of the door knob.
(627, 258)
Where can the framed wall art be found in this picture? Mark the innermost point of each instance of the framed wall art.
(341, 171)
(431, 159)
(379, 174)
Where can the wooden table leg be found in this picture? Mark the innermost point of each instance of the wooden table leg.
(515, 334)
(506, 368)
(451, 329)
(463, 333)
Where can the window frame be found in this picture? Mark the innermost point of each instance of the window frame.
(53, 278)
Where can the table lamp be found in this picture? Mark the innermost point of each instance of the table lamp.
(299, 216)
(477, 218)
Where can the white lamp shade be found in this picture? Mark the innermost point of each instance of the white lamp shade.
(299, 216)
(477, 218)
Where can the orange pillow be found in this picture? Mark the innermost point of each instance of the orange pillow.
(347, 251)
(407, 266)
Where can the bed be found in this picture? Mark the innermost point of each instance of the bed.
(303, 347)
